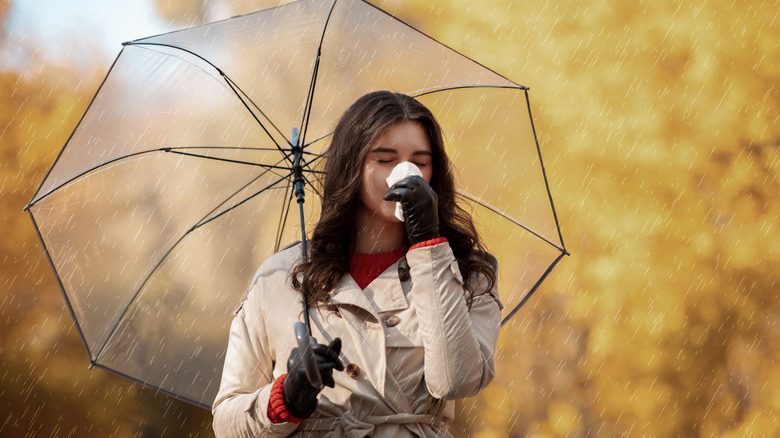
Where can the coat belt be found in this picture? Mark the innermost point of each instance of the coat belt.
(347, 425)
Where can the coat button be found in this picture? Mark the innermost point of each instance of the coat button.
(353, 370)
(392, 320)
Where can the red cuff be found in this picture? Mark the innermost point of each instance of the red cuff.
(431, 242)
(277, 410)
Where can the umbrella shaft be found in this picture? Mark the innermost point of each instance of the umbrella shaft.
(298, 183)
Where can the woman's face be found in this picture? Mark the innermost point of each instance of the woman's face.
(404, 141)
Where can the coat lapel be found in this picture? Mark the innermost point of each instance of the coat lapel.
(363, 340)
(361, 321)
(386, 292)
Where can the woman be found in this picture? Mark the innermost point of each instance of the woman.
(388, 298)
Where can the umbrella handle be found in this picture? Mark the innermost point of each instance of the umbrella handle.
(306, 350)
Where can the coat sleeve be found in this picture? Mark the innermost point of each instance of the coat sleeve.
(240, 409)
(459, 342)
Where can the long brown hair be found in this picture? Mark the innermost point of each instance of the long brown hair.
(332, 240)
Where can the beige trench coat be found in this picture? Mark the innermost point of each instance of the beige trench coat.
(416, 345)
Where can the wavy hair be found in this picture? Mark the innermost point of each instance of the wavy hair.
(332, 240)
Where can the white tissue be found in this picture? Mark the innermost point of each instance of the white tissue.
(401, 171)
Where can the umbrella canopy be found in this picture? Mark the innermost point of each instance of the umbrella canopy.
(177, 182)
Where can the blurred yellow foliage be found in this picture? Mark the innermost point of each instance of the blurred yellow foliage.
(659, 127)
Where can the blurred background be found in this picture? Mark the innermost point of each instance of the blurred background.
(660, 128)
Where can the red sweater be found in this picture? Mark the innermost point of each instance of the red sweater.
(364, 268)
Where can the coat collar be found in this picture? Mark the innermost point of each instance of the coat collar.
(384, 294)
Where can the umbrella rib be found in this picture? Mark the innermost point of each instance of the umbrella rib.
(317, 139)
(239, 190)
(421, 93)
(101, 165)
(160, 262)
(314, 189)
(313, 82)
(238, 204)
(315, 173)
(288, 195)
(544, 172)
(309, 101)
(233, 86)
(62, 288)
(227, 160)
(509, 218)
(534, 288)
(319, 181)
(236, 89)
(438, 90)
(117, 159)
(225, 148)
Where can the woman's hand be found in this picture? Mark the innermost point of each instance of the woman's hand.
(420, 205)
(300, 396)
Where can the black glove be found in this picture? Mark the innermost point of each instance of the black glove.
(420, 206)
(299, 396)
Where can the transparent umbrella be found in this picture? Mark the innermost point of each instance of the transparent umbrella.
(179, 180)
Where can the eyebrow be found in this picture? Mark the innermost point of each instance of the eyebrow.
(393, 151)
